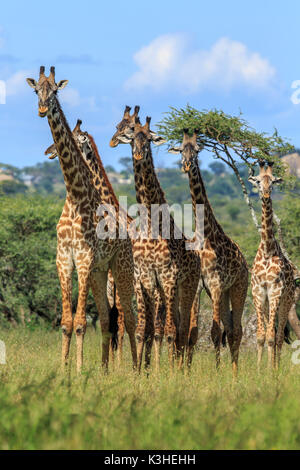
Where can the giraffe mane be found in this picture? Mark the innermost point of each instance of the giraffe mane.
(73, 140)
(105, 177)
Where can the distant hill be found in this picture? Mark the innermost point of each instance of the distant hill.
(293, 161)
(46, 179)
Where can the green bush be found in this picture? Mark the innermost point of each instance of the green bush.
(29, 286)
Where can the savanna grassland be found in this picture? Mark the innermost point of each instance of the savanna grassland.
(42, 408)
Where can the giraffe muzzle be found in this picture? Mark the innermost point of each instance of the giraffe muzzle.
(43, 111)
(138, 156)
(186, 167)
(113, 143)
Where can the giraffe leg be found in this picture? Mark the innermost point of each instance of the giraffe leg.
(280, 306)
(66, 324)
(194, 325)
(99, 288)
(283, 314)
(260, 301)
(125, 292)
(238, 294)
(160, 318)
(148, 346)
(80, 316)
(171, 326)
(110, 296)
(226, 317)
(122, 270)
(274, 306)
(187, 293)
(121, 329)
(65, 267)
(145, 315)
(216, 326)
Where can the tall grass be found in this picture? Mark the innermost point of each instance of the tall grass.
(41, 408)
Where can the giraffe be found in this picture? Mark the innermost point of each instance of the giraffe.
(78, 243)
(223, 266)
(163, 261)
(112, 294)
(272, 282)
(92, 158)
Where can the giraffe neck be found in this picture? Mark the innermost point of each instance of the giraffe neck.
(75, 171)
(199, 196)
(148, 189)
(268, 241)
(99, 177)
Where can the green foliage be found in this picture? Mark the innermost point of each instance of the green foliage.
(46, 177)
(289, 212)
(12, 187)
(29, 285)
(228, 137)
(110, 169)
(234, 210)
(126, 162)
(217, 168)
(28, 279)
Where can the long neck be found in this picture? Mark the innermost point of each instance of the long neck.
(147, 187)
(211, 226)
(150, 194)
(76, 173)
(268, 241)
(99, 177)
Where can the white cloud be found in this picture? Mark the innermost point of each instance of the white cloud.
(71, 97)
(16, 83)
(170, 61)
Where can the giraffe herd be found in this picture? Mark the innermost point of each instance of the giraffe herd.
(165, 276)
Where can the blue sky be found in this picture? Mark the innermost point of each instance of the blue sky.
(227, 55)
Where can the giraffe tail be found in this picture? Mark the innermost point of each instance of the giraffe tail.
(287, 333)
(113, 323)
(224, 335)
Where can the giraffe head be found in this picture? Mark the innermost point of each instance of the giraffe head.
(189, 150)
(79, 135)
(46, 89)
(140, 138)
(265, 179)
(125, 126)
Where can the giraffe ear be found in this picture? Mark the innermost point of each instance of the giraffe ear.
(124, 139)
(31, 82)
(277, 181)
(156, 139)
(175, 150)
(62, 84)
(52, 151)
(198, 148)
(253, 180)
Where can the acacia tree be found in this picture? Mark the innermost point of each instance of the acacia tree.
(233, 141)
